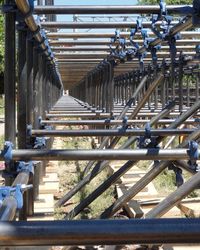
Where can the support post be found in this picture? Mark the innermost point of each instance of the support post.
(9, 81)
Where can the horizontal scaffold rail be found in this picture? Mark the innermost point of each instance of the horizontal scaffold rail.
(114, 122)
(109, 9)
(98, 25)
(184, 34)
(99, 232)
(104, 115)
(110, 132)
(100, 154)
(181, 44)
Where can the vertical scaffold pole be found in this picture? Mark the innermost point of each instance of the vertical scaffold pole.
(9, 80)
(21, 101)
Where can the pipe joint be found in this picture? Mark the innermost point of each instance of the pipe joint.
(15, 192)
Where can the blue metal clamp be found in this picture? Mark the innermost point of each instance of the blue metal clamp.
(193, 153)
(22, 166)
(16, 192)
(147, 141)
(7, 151)
(178, 174)
(124, 123)
(39, 143)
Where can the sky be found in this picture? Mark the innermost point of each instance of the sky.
(88, 2)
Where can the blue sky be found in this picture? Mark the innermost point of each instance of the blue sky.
(89, 2)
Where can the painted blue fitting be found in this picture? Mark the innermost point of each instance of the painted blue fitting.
(16, 192)
(107, 121)
(7, 151)
(112, 117)
(130, 54)
(132, 33)
(197, 120)
(147, 130)
(125, 122)
(178, 174)
(179, 177)
(139, 26)
(197, 49)
(147, 141)
(117, 34)
(39, 143)
(163, 9)
(40, 125)
(5, 191)
(194, 155)
(22, 166)
(141, 61)
(29, 130)
(118, 52)
(193, 150)
(48, 127)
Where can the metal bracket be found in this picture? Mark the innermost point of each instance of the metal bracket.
(19, 166)
(107, 121)
(48, 127)
(39, 143)
(163, 9)
(193, 154)
(7, 152)
(153, 51)
(141, 61)
(29, 139)
(22, 166)
(40, 125)
(197, 120)
(178, 173)
(197, 49)
(124, 123)
(29, 130)
(119, 51)
(112, 117)
(172, 48)
(147, 141)
(16, 192)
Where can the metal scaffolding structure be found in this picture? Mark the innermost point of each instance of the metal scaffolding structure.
(139, 80)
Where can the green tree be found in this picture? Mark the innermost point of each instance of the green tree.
(167, 1)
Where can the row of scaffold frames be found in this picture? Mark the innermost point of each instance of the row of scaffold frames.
(129, 89)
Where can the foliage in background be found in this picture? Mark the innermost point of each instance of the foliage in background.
(71, 173)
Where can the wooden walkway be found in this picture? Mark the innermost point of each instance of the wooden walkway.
(49, 186)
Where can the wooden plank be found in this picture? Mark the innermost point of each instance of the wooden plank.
(51, 177)
(134, 210)
(44, 204)
(48, 188)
